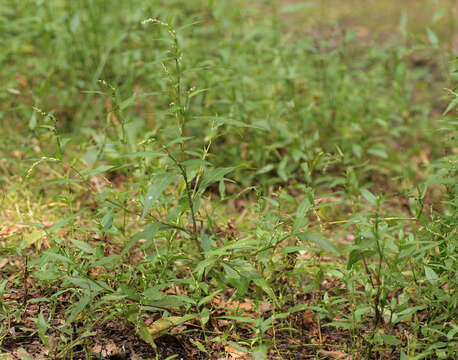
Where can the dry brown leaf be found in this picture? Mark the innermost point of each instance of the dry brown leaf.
(308, 318)
(106, 350)
(111, 112)
(264, 307)
(178, 329)
(9, 230)
(22, 354)
(233, 306)
(134, 356)
(46, 223)
(3, 262)
(336, 355)
(16, 154)
(22, 80)
(216, 301)
(98, 271)
(6, 356)
(246, 306)
(363, 32)
(157, 327)
(236, 354)
(424, 157)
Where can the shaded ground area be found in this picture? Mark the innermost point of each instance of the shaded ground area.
(298, 333)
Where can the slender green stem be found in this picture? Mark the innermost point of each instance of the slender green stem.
(188, 193)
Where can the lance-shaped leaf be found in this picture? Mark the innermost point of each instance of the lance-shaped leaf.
(160, 183)
(212, 176)
(320, 240)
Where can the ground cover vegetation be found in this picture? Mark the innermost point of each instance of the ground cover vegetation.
(228, 179)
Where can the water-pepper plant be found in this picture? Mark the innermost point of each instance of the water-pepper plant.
(228, 179)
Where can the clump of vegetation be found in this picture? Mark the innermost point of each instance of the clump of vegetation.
(224, 181)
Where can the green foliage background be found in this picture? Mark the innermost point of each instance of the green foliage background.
(258, 151)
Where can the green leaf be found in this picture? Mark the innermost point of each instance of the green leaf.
(453, 104)
(65, 221)
(403, 23)
(144, 154)
(204, 316)
(390, 339)
(405, 314)
(129, 292)
(99, 170)
(241, 319)
(207, 298)
(263, 284)
(198, 345)
(78, 307)
(301, 213)
(108, 261)
(296, 308)
(3, 286)
(260, 353)
(57, 258)
(161, 182)
(296, 7)
(41, 323)
(107, 220)
(231, 274)
(265, 169)
(370, 198)
(431, 275)
(170, 301)
(196, 92)
(191, 164)
(128, 102)
(148, 234)
(83, 246)
(378, 152)
(237, 123)
(84, 283)
(320, 240)
(292, 249)
(438, 15)
(90, 156)
(144, 334)
(432, 37)
(75, 22)
(214, 175)
(61, 182)
(451, 334)
(129, 246)
(353, 258)
(38, 225)
(205, 242)
(153, 292)
(179, 140)
(48, 275)
(241, 285)
(33, 121)
(438, 180)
